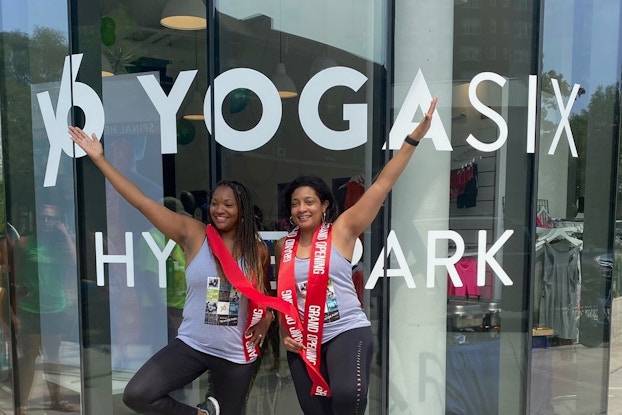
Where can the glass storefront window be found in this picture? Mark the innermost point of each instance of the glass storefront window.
(131, 309)
(463, 235)
(331, 127)
(40, 232)
(572, 292)
(490, 275)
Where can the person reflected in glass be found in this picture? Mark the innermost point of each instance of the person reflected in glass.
(331, 331)
(44, 262)
(208, 338)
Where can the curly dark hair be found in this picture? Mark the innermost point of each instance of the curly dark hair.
(321, 189)
(247, 239)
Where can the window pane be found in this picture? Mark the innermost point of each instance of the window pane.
(459, 213)
(41, 229)
(336, 134)
(576, 201)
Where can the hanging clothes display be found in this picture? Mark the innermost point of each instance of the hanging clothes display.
(463, 185)
(468, 198)
(561, 282)
(457, 180)
(467, 271)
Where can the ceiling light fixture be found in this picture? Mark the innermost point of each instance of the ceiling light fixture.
(194, 110)
(184, 15)
(283, 83)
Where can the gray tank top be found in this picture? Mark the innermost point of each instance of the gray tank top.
(561, 280)
(343, 310)
(215, 314)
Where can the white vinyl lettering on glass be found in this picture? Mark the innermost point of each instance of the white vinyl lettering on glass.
(419, 96)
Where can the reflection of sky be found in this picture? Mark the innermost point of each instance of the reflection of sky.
(351, 25)
(26, 15)
(581, 43)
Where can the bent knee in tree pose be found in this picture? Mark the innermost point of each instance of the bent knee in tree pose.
(228, 262)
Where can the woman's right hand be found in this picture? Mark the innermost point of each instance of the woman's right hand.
(292, 345)
(91, 145)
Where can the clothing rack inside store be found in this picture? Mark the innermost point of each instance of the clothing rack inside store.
(565, 232)
(466, 155)
(461, 164)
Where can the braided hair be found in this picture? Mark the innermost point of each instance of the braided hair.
(247, 240)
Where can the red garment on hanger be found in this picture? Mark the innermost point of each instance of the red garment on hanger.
(458, 178)
(467, 271)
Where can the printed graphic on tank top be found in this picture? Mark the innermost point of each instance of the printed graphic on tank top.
(331, 309)
(222, 303)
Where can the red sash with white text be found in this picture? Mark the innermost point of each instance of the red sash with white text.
(257, 301)
(311, 335)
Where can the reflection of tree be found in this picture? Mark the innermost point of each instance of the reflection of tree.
(598, 117)
(597, 122)
(549, 101)
(549, 123)
(25, 60)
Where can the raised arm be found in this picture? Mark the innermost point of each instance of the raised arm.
(184, 230)
(351, 223)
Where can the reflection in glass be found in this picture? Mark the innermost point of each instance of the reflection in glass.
(487, 200)
(574, 244)
(41, 305)
(262, 36)
(46, 313)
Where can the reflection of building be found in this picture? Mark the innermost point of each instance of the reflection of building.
(435, 347)
(492, 35)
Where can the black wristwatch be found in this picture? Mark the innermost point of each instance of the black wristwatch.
(411, 141)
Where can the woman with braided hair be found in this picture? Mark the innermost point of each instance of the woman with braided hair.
(224, 322)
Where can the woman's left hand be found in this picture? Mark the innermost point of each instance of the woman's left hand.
(423, 127)
(259, 331)
(91, 145)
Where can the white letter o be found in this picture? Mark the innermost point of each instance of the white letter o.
(268, 95)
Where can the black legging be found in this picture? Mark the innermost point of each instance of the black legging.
(346, 363)
(175, 366)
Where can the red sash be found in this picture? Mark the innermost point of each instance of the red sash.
(315, 304)
(257, 301)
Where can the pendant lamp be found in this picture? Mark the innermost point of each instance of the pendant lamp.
(194, 110)
(284, 84)
(184, 15)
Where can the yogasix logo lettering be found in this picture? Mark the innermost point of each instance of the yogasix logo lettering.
(78, 94)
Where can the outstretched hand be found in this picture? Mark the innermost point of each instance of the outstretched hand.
(91, 145)
(423, 127)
